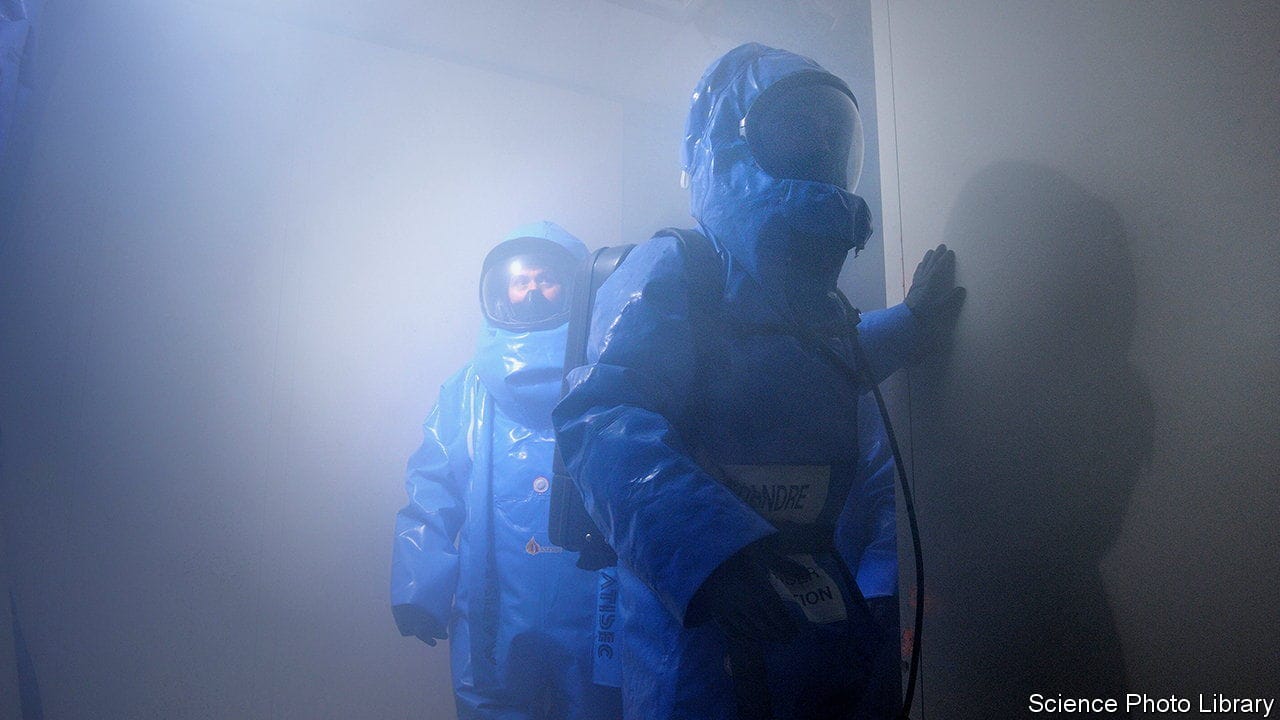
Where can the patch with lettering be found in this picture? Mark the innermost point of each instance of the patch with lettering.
(816, 593)
(607, 669)
(782, 493)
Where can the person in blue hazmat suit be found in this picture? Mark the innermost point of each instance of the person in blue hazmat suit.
(472, 561)
(723, 447)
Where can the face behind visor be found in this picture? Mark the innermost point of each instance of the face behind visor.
(524, 284)
(801, 128)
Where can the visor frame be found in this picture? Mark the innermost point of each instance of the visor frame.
(854, 165)
(506, 251)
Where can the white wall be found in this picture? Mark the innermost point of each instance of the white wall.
(1096, 460)
(245, 260)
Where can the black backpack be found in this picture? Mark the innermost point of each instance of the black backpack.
(570, 526)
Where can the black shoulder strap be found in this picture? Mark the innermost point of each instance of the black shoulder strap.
(590, 276)
(569, 525)
(704, 269)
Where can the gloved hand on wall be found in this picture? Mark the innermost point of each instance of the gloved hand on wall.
(934, 299)
(740, 599)
(413, 620)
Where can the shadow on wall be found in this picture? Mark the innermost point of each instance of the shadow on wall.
(1029, 436)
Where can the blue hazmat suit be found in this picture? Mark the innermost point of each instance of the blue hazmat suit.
(691, 438)
(520, 616)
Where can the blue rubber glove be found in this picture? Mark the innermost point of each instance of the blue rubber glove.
(740, 599)
(413, 620)
(934, 298)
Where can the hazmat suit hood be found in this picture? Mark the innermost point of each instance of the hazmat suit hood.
(522, 369)
(791, 235)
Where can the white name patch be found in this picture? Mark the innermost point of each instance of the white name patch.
(782, 493)
(816, 594)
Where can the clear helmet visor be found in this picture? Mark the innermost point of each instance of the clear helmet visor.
(525, 284)
(806, 130)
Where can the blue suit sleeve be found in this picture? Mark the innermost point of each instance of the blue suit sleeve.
(424, 565)
(890, 339)
(670, 522)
